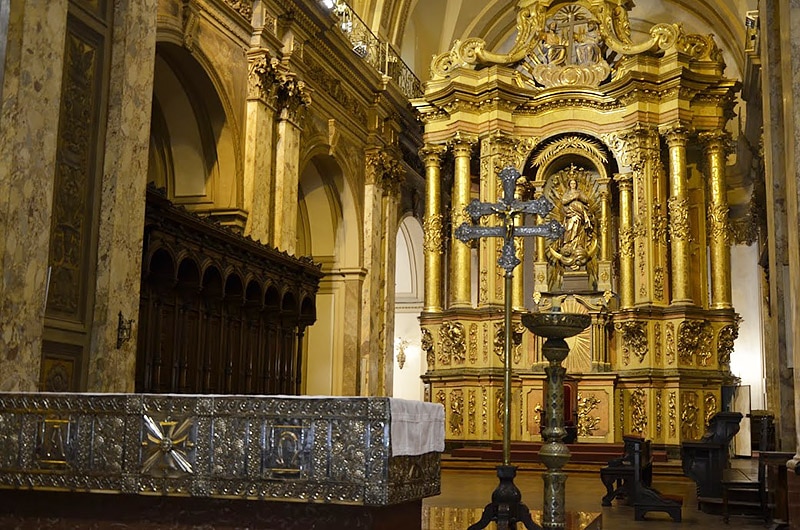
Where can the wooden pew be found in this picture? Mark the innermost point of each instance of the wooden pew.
(645, 498)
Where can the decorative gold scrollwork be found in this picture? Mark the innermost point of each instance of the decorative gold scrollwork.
(452, 346)
(710, 407)
(694, 338)
(456, 412)
(638, 411)
(587, 423)
(634, 339)
(426, 344)
(689, 413)
(725, 339)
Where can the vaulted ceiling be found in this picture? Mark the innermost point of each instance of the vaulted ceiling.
(423, 28)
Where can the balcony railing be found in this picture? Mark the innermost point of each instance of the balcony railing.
(378, 54)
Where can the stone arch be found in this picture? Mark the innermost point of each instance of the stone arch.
(330, 232)
(193, 139)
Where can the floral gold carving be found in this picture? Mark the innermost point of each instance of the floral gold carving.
(485, 342)
(671, 413)
(500, 340)
(243, 7)
(679, 219)
(386, 170)
(433, 228)
(452, 346)
(473, 343)
(718, 223)
(694, 338)
(657, 346)
(658, 282)
(710, 407)
(499, 400)
(587, 423)
(456, 412)
(484, 410)
(659, 413)
(426, 344)
(634, 340)
(638, 411)
(441, 397)
(725, 339)
(670, 342)
(471, 403)
(689, 414)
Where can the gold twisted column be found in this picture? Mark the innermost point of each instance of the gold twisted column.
(679, 217)
(718, 230)
(460, 253)
(433, 227)
(626, 240)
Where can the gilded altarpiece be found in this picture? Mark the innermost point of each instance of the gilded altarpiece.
(626, 139)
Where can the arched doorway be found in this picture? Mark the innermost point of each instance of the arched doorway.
(409, 362)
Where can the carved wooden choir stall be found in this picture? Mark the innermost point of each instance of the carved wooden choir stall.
(627, 139)
(219, 313)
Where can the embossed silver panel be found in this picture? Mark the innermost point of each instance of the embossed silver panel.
(334, 450)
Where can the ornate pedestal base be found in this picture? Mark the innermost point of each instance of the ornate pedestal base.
(506, 508)
(449, 518)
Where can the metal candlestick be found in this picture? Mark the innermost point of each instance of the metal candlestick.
(555, 327)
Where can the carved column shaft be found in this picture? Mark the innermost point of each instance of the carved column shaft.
(433, 228)
(460, 253)
(626, 241)
(719, 237)
(679, 218)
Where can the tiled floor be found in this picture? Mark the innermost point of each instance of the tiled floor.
(471, 490)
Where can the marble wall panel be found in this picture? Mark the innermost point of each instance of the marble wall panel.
(34, 49)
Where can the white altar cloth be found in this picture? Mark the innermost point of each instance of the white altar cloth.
(417, 427)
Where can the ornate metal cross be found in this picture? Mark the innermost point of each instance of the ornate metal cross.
(506, 508)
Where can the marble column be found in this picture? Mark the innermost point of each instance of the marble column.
(717, 214)
(433, 229)
(678, 205)
(293, 98)
(460, 252)
(258, 152)
(31, 90)
(626, 241)
(121, 225)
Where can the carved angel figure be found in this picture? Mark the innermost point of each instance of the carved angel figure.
(553, 46)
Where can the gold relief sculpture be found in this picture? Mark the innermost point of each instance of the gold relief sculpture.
(638, 411)
(659, 413)
(483, 290)
(433, 228)
(386, 170)
(657, 341)
(485, 342)
(659, 225)
(243, 7)
(262, 77)
(485, 410)
(694, 338)
(587, 423)
(451, 343)
(441, 397)
(658, 282)
(500, 341)
(634, 340)
(718, 223)
(670, 334)
(725, 339)
(471, 404)
(456, 412)
(499, 400)
(537, 417)
(626, 240)
(679, 219)
(710, 407)
(426, 345)
(621, 410)
(509, 151)
(473, 343)
(672, 414)
(689, 412)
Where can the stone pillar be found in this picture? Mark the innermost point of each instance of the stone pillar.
(258, 153)
(679, 217)
(717, 219)
(121, 226)
(34, 55)
(626, 241)
(293, 97)
(460, 253)
(380, 218)
(433, 229)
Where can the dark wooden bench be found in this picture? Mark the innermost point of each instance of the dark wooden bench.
(618, 475)
(647, 499)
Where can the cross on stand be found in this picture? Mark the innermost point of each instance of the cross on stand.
(506, 508)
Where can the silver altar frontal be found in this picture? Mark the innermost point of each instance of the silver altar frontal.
(349, 451)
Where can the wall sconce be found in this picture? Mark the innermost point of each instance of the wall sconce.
(401, 345)
(124, 327)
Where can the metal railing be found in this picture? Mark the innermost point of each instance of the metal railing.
(378, 54)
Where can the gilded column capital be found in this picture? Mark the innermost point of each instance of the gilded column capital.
(624, 181)
(431, 154)
(714, 142)
(462, 144)
(385, 170)
(676, 137)
(509, 150)
(293, 97)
